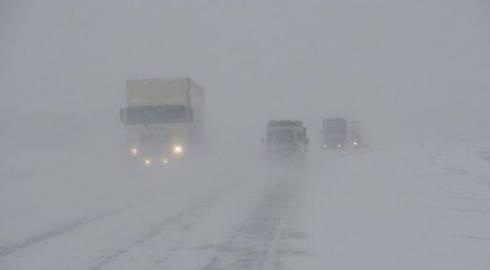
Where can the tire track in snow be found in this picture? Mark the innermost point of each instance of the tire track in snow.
(255, 244)
(155, 232)
(176, 246)
(6, 251)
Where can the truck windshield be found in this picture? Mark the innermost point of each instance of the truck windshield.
(281, 136)
(157, 114)
(335, 126)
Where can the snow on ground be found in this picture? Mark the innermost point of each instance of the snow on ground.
(398, 208)
(394, 209)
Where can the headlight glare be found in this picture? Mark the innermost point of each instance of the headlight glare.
(178, 149)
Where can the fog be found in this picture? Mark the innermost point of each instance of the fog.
(402, 67)
(415, 73)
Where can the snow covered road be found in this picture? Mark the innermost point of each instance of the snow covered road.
(405, 208)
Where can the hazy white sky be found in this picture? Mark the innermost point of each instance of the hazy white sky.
(421, 64)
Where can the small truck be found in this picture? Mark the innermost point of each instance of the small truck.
(286, 138)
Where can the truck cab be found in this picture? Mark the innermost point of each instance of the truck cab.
(286, 138)
(334, 133)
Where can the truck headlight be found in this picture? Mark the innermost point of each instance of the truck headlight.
(178, 149)
(134, 151)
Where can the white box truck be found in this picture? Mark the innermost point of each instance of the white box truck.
(164, 119)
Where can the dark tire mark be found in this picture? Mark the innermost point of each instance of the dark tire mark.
(464, 210)
(469, 198)
(485, 155)
(474, 237)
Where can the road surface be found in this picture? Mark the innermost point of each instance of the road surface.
(398, 208)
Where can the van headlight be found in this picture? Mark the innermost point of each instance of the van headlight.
(178, 149)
